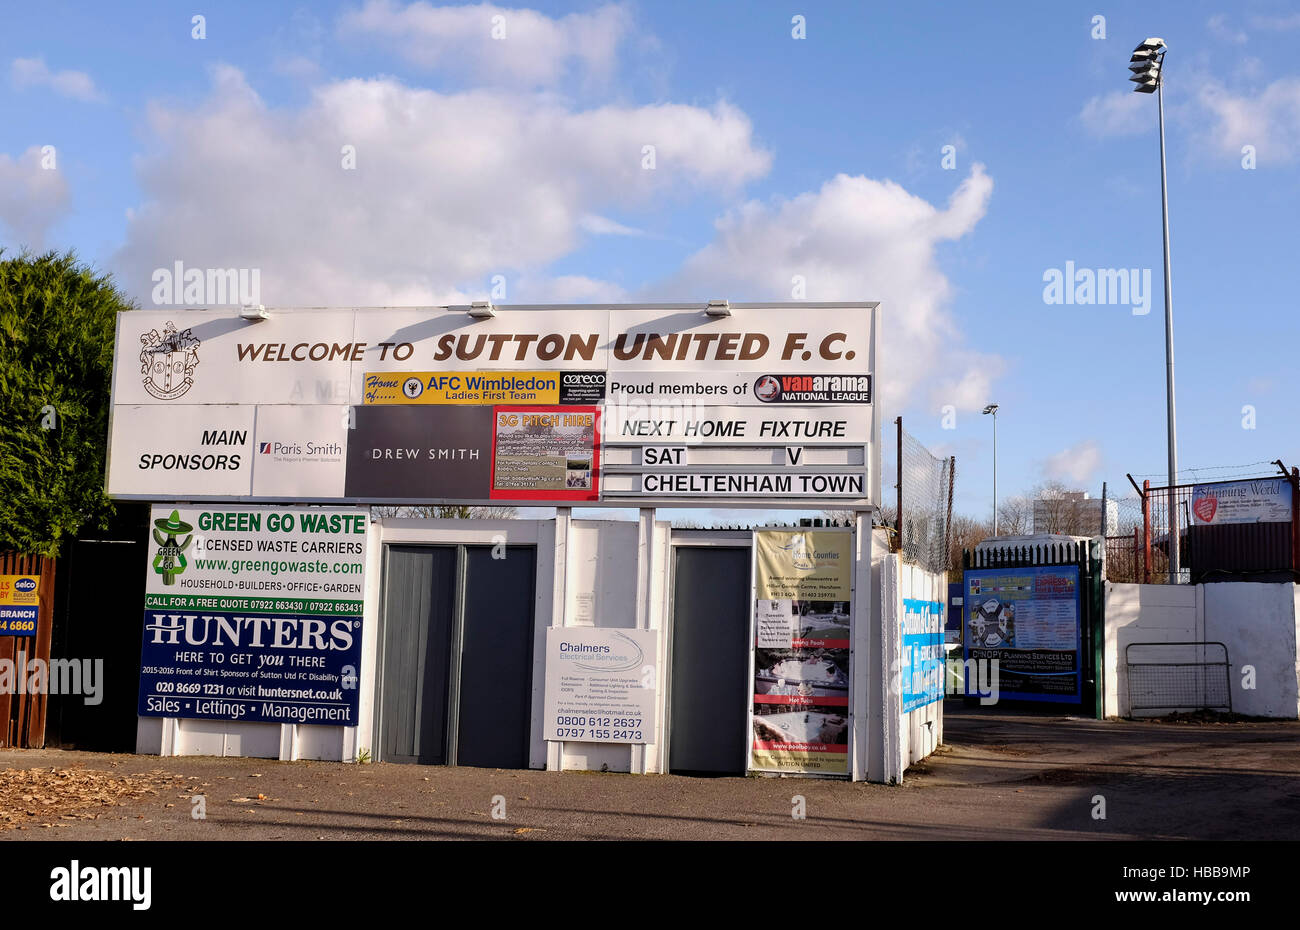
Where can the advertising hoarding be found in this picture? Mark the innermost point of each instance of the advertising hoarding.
(802, 606)
(601, 684)
(306, 405)
(922, 669)
(254, 614)
(19, 604)
(1264, 500)
(1028, 620)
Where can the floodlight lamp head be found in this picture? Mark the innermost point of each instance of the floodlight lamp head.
(718, 308)
(482, 310)
(253, 313)
(991, 408)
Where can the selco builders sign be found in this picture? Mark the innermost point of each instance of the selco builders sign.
(19, 604)
(254, 614)
(429, 405)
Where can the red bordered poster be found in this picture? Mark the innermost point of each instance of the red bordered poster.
(546, 452)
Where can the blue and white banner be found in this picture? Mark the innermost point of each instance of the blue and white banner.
(923, 655)
(286, 668)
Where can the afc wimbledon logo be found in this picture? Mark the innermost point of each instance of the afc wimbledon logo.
(167, 361)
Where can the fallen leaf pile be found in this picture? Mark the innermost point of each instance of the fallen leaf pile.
(33, 796)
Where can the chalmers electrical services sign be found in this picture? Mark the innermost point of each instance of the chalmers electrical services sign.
(592, 404)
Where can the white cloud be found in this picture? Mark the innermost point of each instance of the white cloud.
(533, 49)
(1075, 465)
(566, 289)
(32, 198)
(33, 72)
(448, 190)
(1269, 120)
(298, 67)
(1276, 23)
(861, 239)
(1219, 28)
(603, 226)
(1119, 113)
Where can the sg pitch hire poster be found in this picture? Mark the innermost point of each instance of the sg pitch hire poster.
(802, 604)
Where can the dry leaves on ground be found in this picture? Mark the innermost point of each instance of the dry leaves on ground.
(32, 796)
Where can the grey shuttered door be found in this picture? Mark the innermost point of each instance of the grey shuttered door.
(496, 662)
(710, 670)
(419, 620)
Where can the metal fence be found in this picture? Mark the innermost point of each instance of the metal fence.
(1178, 676)
(924, 502)
(1140, 551)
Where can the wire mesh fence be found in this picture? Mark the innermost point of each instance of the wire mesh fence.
(924, 519)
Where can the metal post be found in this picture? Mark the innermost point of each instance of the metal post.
(898, 535)
(947, 527)
(1146, 531)
(1169, 344)
(995, 473)
(1104, 527)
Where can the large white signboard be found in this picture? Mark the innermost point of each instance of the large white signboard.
(601, 684)
(406, 405)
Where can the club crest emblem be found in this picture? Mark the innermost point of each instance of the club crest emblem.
(167, 361)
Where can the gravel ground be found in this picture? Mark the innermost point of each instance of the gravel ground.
(1000, 776)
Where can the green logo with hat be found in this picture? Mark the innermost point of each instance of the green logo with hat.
(170, 560)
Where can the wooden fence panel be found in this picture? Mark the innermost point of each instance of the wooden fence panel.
(22, 716)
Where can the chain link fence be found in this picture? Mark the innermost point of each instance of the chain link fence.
(924, 502)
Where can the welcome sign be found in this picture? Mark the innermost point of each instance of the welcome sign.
(433, 405)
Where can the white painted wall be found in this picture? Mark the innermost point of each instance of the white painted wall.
(1143, 613)
(920, 730)
(616, 577)
(1296, 594)
(604, 573)
(1257, 622)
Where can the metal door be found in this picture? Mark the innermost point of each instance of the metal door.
(710, 670)
(496, 658)
(419, 621)
(457, 655)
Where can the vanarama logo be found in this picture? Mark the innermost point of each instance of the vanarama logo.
(813, 389)
(167, 361)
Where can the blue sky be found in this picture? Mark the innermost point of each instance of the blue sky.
(820, 156)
